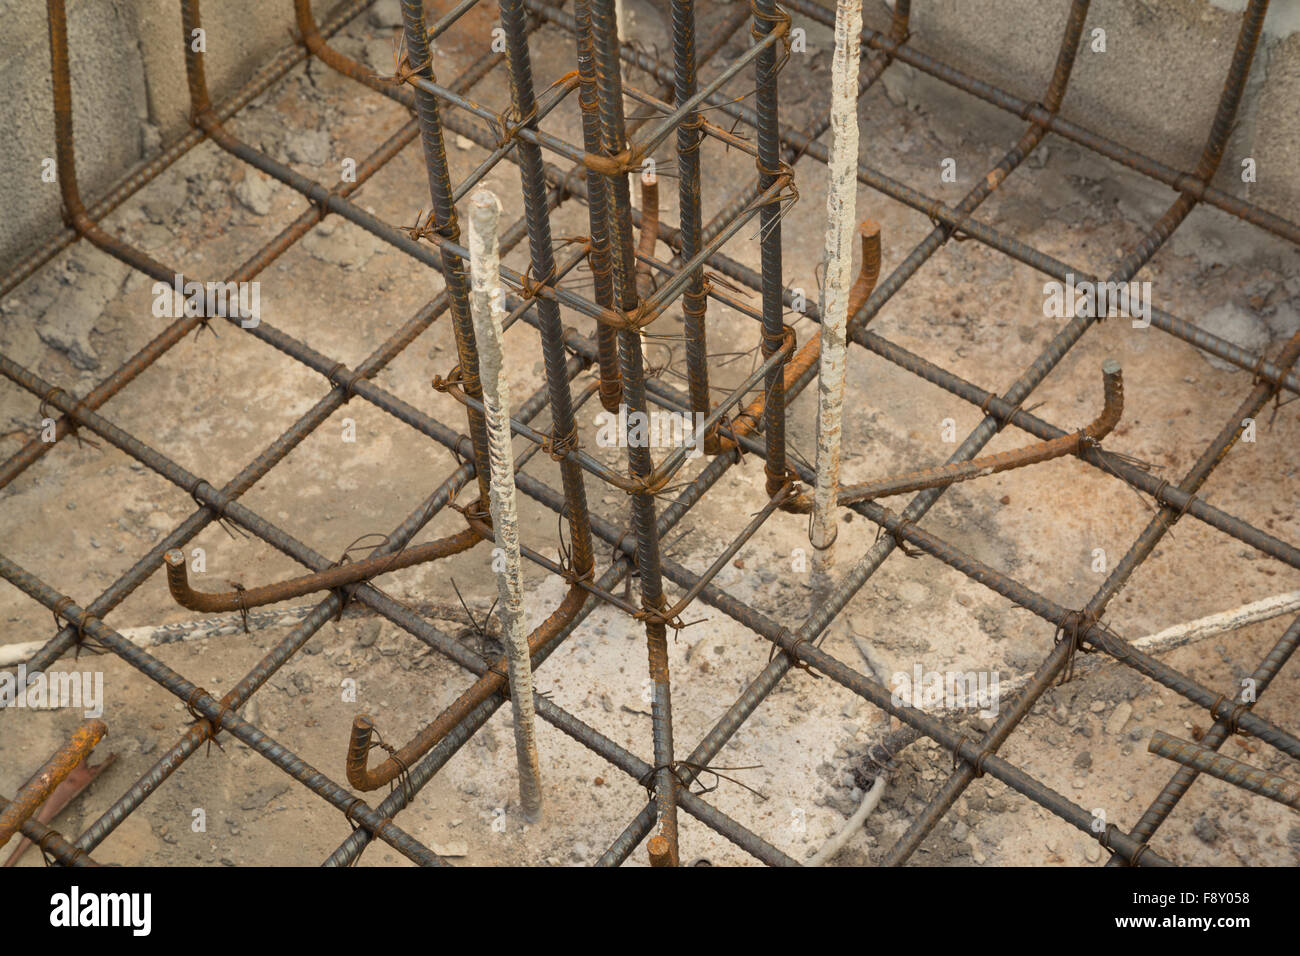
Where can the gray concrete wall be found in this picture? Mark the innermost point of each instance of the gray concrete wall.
(128, 91)
(1154, 89)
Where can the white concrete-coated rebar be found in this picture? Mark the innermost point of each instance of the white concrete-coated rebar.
(854, 824)
(841, 207)
(487, 307)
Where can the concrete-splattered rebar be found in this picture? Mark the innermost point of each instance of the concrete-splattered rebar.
(486, 307)
(841, 214)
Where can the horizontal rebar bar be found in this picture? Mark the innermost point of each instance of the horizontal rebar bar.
(1239, 774)
(1090, 435)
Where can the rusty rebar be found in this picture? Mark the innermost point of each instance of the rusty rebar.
(609, 85)
(689, 143)
(645, 249)
(42, 783)
(803, 361)
(943, 475)
(243, 598)
(1219, 731)
(602, 276)
(494, 681)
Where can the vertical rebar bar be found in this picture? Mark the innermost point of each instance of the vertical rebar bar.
(486, 308)
(841, 211)
(611, 382)
(671, 778)
(532, 174)
(614, 136)
(443, 217)
(766, 19)
(689, 140)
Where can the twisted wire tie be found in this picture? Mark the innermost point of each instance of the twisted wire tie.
(214, 723)
(977, 764)
(454, 379)
(1232, 718)
(73, 427)
(900, 539)
(789, 652)
(349, 384)
(1073, 628)
(559, 446)
(47, 855)
(780, 20)
(508, 123)
(533, 288)
(952, 230)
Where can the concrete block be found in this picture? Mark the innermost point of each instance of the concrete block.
(109, 110)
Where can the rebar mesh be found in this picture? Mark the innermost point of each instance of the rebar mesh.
(628, 289)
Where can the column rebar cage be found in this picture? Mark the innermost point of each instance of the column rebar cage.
(624, 288)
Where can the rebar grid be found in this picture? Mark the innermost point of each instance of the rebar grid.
(612, 148)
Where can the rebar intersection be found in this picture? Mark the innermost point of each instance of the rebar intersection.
(612, 148)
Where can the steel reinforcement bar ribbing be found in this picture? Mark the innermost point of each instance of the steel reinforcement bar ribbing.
(1239, 774)
(767, 18)
(218, 504)
(348, 382)
(1149, 247)
(675, 514)
(460, 733)
(600, 261)
(443, 247)
(609, 87)
(32, 794)
(989, 402)
(326, 610)
(419, 58)
(1056, 91)
(52, 843)
(1058, 615)
(174, 333)
(533, 185)
(204, 706)
(321, 204)
(689, 142)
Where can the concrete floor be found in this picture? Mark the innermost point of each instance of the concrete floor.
(81, 516)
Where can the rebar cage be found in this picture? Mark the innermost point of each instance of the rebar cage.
(628, 289)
